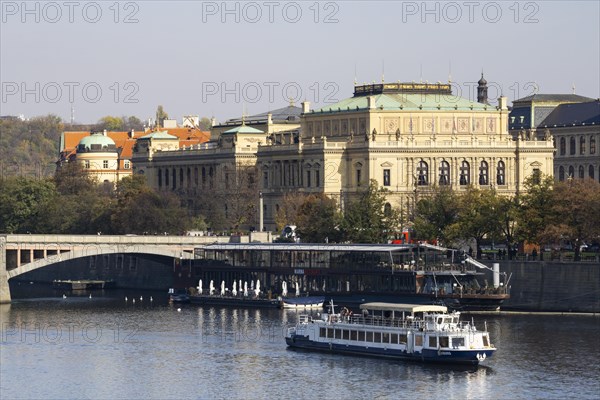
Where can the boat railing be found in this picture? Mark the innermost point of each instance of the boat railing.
(305, 319)
(414, 324)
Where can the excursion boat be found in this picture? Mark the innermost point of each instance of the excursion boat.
(426, 333)
(302, 303)
(352, 274)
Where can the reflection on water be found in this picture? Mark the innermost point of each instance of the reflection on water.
(106, 347)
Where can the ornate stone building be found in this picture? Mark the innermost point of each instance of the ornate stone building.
(574, 123)
(409, 137)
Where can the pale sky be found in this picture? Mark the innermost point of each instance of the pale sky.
(211, 58)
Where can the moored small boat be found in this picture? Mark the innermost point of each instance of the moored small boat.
(425, 333)
(178, 296)
(302, 303)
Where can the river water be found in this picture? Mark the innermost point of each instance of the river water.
(107, 348)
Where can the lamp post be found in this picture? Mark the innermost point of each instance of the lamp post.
(260, 212)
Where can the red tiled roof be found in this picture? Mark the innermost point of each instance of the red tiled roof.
(123, 141)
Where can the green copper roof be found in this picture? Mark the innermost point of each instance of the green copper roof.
(159, 135)
(96, 142)
(242, 129)
(406, 101)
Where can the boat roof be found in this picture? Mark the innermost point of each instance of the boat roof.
(412, 308)
(309, 247)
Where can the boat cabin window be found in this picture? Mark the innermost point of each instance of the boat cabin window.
(369, 337)
(346, 335)
(444, 341)
(403, 338)
(361, 336)
(338, 333)
(330, 333)
(377, 337)
(385, 338)
(394, 338)
(323, 332)
(418, 340)
(486, 341)
(432, 341)
(458, 342)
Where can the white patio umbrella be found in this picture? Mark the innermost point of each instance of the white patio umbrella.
(211, 288)
(257, 290)
(284, 289)
(246, 289)
(234, 291)
(200, 286)
(222, 288)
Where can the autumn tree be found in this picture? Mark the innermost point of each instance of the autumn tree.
(287, 213)
(574, 213)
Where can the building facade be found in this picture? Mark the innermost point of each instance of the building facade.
(574, 124)
(409, 137)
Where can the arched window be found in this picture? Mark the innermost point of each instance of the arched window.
(581, 172)
(582, 145)
(387, 210)
(571, 171)
(592, 144)
(501, 173)
(422, 174)
(444, 173)
(563, 146)
(483, 173)
(572, 146)
(591, 171)
(561, 173)
(465, 173)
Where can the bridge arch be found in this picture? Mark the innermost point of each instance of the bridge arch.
(95, 250)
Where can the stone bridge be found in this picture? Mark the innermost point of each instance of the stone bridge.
(23, 253)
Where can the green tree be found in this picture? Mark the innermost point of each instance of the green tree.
(365, 219)
(477, 217)
(161, 115)
(535, 209)
(205, 124)
(318, 219)
(111, 123)
(435, 213)
(507, 214)
(20, 202)
(141, 210)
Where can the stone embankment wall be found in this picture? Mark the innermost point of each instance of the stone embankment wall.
(552, 286)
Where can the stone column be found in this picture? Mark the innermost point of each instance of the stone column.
(4, 289)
